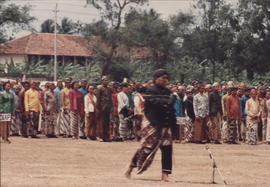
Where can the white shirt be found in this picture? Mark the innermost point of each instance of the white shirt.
(88, 105)
(123, 101)
(138, 103)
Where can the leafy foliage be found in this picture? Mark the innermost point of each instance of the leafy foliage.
(12, 18)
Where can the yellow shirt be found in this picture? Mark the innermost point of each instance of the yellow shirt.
(65, 98)
(31, 100)
(253, 109)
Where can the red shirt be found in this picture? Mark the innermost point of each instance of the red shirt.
(233, 106)
(76, 101)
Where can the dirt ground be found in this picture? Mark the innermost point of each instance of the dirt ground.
(66, 162)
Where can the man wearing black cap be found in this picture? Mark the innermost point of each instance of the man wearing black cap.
(104, 106)
(156, 132)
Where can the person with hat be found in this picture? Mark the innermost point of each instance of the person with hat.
(253, 110)
(215, 112)
(104, 106)
(65, 126)
(201, 111)
(124, 111)
(7, 107)
(233, 115)
(158, 122)
(32, 108)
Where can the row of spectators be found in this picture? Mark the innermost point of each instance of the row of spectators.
(206, 113)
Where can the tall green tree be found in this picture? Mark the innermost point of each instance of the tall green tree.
(112, 12)
(212, 39)
(163, 38)
(12, 18)
(252, 45)
(47, 26)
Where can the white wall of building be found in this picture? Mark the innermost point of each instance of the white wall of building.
(17, 59)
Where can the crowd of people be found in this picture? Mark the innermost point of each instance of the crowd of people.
(205, 113)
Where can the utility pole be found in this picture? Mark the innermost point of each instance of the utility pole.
(55, 42)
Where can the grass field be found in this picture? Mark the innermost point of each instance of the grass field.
(66, 162)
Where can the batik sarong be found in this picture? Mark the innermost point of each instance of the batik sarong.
(224, 130)
(252, 133)
(49, 123)
(188, 130)
(153, 138)
(16, 124)
(65, 125)
(268, 130)
(215, 128)
(82, 126)
(123, 127)
(232, 130)
(75, 122)
(90, 125)
(32, 123)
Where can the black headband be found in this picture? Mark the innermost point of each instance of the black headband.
(160, 73)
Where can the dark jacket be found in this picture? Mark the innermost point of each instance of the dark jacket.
(214, 103)
(159, 107)
(188, 103)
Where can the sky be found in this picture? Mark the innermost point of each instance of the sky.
(77, 10)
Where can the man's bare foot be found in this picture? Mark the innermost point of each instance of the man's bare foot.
(165, 177)
(128, 172)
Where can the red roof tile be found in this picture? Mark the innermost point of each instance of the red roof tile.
(67, 45)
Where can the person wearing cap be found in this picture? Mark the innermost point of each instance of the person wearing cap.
(224, 130)
(26, 86)
(50, 112)
(243, 114)
(215, 112)
(83, 89)
(201, 110)
(268, 117)
(32, 108)
(233, 114)
(7, 107)
(124, 111)
(76, 109)
(90, 101)
(16, 124)
(253, 110)
(65, 126)
(189, 125)
(57, 94)
(157, 124)
(104, 108)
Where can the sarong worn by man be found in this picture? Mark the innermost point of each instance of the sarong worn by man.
(215, 112)
(268, 120)
(201, 110)
(233, 109)
(50, 113)
(32, 107)
(253, 112)
(104, 107)
(158, 120)
(65, 126)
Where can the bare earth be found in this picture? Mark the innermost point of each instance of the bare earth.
(66, 162)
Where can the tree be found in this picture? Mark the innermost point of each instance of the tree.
(67, 26)
(12, 18)
(47, 26)
(251, 49)
(112, 12)
(212, 39)
(163, 38)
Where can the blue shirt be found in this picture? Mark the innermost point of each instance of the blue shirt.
(57, 93)
(84, 91)
(243, 101)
